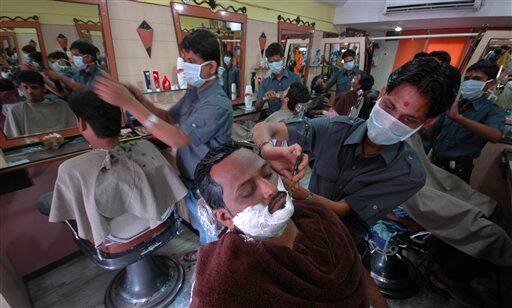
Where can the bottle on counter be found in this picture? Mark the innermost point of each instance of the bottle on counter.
(248, 97)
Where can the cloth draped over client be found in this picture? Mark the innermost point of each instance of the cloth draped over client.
(100, 185)
(457, 214)
(320, 269)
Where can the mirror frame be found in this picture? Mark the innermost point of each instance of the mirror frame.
(283, 26)
(179, 9)
(109, 52)
(31, 22)
(7, 35)
(87, 25)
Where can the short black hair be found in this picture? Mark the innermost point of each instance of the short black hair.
(6, 85)
(204, 44)
(437, 82)
(441, 55)
(31, 77)
(366, 81)
(421, 55)
(57, 55)
(487, 67)
(36, 56)
(297, 94)
(104, 119)
(210, 190)
(274, 49)
(348, 53)
(28, 49)
(85, 47)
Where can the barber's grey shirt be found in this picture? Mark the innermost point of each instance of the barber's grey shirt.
(206, 117)
(271, 83)
(230, 76)
(343, 79)
(87, 78)
(372, 185)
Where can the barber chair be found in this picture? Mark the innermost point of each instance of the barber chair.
(145, 280)
(395, 275)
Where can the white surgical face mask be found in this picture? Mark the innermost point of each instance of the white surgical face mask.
(192, 74)
(20, 93)
(227, 60)
(276, 67)
(78, 61)
(6, 75)
(384, 129)
(26, 58)
(257, 222)
(59, 68)
(349, 65)
(472, 89)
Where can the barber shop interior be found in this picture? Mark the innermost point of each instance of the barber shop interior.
(235, 153)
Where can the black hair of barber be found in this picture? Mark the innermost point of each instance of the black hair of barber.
(85, 47)
(6, 85)
(274, 49)
(489, 68)
(210, 190)
(366, 81)
(36, 57)
(441, 55)
(28, 49)
(30, 77)
(437, 82)
(57, 55)
(204, 44)
(348, 53)
(104, 119)
(421, 55)
(297, 94)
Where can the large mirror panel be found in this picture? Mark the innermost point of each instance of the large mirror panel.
(35, 40)
(231, 30)
(297, 43)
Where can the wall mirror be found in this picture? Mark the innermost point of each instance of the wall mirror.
(297, 41)
(49, 26)
(230, 28)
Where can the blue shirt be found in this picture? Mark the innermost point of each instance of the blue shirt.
(271, 83)
(456, 141)
(343, 80)
(206, 117)
(87, 78)
(230, 76)
(372, 185)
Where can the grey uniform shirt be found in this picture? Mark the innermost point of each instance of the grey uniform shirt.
(206, 117)
(271, 83)
(373, 186)
(87, 78)
(230, 76)
(343, 79)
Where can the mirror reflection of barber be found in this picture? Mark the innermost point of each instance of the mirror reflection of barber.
(344, 75)
(230, 76)
(278, 81)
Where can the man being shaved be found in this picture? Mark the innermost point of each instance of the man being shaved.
(276, 252)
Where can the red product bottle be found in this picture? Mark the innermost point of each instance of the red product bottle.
(166, 84)
(156, 79)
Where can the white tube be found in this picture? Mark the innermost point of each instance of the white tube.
(384, 38)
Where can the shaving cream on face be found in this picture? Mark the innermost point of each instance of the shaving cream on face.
(258, 223)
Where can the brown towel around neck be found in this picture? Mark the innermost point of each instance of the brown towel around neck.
(322, 270)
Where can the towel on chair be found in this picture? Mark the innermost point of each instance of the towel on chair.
(100, 185)
(322, 270)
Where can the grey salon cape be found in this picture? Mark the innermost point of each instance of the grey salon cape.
(457, 214)
(100, 185)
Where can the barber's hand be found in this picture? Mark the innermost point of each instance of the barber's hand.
(134, 91)
(282, 160)
(113, 92)
(453, 112)
(269, 95)
(296, 191)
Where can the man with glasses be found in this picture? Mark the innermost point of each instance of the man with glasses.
(364, 169)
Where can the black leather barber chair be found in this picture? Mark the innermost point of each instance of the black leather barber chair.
(145, 280)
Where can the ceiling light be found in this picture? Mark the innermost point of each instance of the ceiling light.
(398, 28)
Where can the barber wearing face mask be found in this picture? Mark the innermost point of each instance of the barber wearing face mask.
(230, 75)
(364, 169)
(469, 124)
(343, 77)
(59, 62)
(278, 81)
(85, 60)
(203, 117)
(25, 52)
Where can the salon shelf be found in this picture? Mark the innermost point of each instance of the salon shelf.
(161, 91)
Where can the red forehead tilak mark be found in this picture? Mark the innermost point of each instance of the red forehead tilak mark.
(406, 104)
